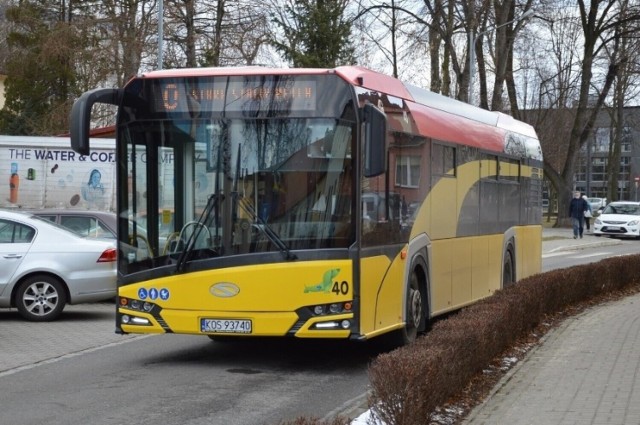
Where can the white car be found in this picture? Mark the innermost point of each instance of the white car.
(44, 266)
(597, 204)
(619, 219)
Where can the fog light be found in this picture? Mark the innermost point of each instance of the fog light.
(318, 310)
(125, 319)
(139, 321)
(327, 325)
(345, 324)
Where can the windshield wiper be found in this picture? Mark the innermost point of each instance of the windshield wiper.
(212, 203)
(268, 231)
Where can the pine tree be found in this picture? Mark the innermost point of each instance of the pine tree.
(316, 34)
(39, 69)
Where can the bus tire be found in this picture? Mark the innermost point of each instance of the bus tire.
(416, 307)
(508, 268)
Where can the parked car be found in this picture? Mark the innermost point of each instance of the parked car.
(597, 204)
(92, 224)
(619, 219)
(96, 224)
(44, 266)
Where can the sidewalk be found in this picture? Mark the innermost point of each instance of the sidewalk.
(585, 371)
(561, 239)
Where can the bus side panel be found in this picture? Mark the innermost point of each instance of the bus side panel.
(481, 278)
(528, 251)
(441, 255)
(391, 296)
(454, 285)
(373, 270)
(443, 209)
(461, 271)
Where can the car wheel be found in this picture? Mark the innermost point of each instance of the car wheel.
(40, 298)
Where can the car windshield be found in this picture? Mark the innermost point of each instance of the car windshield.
(627, 209)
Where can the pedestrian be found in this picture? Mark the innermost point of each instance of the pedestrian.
(588, 213)
(577, 208)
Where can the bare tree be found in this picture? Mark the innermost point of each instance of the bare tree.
(128, 33)
(603, 24)
(215, 32)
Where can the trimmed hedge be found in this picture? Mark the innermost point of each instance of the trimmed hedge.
(409, 383)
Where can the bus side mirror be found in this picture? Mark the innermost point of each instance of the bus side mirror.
(375, 135)
(80, 119)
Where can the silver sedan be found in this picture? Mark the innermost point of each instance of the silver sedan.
(44, 266)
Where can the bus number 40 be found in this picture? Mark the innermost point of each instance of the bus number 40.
(340, 288)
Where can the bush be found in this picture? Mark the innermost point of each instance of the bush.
(409, 383)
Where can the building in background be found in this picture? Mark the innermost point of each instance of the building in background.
(591, 175)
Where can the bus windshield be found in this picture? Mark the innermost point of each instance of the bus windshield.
(226, 186)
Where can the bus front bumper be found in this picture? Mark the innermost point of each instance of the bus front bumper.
(235, 324)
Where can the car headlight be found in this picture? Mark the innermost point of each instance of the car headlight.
(597, 221)
(632, 223)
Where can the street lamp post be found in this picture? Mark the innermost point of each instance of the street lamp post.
(472, 49)
(160, 32)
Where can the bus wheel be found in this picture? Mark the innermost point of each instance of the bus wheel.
(416, 311)
(508, 275)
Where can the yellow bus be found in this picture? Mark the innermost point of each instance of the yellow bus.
(311, 203)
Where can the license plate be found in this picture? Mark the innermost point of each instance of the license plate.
(225, 326)
(613, 227)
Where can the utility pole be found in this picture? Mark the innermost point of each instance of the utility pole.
(160, 32)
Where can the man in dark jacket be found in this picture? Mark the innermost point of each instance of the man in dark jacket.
(577, 207)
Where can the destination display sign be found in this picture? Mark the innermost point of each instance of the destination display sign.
(253, 96)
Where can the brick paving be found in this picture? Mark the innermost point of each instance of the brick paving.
(80, 328)
(587, 371)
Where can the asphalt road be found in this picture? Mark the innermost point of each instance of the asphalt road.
(77, 371)
(49, 376)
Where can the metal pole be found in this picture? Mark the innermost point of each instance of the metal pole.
(160, 31)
